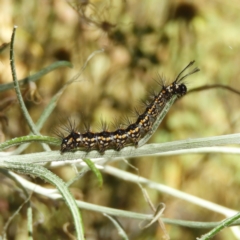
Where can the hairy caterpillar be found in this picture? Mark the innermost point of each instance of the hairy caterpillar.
(131, 134)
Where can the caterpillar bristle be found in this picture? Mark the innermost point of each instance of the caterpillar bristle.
(86, 126)
(70, 126)
(179, 78)
(160, 80)
(190, 73)
(58, 133)
(104, 125)
(126, 121)
(64, 126)
(136, 112)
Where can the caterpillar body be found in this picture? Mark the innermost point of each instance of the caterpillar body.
(131, 134)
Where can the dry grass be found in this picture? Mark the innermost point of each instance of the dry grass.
(141, 39)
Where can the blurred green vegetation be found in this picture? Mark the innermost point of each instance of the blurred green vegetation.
(141, 39)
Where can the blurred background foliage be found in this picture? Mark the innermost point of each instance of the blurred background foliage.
(141, 40)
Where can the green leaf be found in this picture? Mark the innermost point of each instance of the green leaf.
(96, 171)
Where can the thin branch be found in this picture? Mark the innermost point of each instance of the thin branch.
(207, 87)
(36, 76)
(18, 92)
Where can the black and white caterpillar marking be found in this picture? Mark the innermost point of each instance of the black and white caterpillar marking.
(130, 135)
